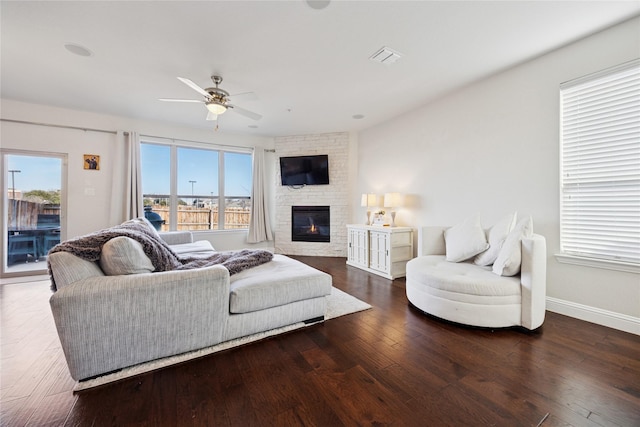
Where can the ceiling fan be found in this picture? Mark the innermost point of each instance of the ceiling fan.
(216, 100)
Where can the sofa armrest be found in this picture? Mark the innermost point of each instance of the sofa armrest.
(110, 322)
(533, 276)
(177, 237)
(431, 240)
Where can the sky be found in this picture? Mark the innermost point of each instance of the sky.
(200, 166)
(36, 173)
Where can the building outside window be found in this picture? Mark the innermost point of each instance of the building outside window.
(195, 187)
(600, 169)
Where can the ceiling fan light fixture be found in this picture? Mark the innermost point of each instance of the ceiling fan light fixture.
(216, 107)
(215, 99)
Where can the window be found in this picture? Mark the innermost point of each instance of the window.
(34, 209)
(600, 169)
(188, 186)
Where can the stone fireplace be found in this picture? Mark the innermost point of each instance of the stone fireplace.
(310, 224)
(335, 195)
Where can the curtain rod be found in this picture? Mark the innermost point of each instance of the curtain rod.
(196, 142)
(26, 122)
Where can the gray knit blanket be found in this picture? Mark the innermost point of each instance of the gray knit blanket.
(89, 247)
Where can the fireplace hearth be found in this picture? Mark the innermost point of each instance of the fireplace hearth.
(310, 224)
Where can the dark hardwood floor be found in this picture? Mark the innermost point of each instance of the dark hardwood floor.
(390, 365)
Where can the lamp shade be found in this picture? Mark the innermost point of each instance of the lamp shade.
(393, 200)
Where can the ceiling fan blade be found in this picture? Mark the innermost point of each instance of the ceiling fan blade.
(180, 100)
(245, 96)
(194, 86)
(246, 113)
(211, 116)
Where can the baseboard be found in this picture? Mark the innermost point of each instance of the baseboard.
(595, 315)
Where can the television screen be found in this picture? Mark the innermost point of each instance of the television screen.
(305, 170)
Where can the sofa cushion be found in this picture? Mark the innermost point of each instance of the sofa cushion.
(510, 256)
(197, 248)
(176, 237)
(465, 240)
(278, 282)
(123, 255)
(67, 268)
(462, 281)
(496, 236)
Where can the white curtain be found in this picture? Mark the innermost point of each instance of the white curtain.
(259, 227)
(126, 191)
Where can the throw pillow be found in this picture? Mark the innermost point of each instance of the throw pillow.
(510, 256)
(464, 240)
(496, 236)
(123, 255)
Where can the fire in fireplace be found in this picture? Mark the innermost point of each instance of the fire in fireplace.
(310, 224)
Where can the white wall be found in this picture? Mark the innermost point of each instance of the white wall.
(89, 192)
(493, 147)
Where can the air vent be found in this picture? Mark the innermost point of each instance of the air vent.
(385, 56)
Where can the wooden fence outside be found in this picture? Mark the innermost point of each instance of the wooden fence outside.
(24, 214)
(192, 218)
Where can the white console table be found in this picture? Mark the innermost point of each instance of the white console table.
(380, 250)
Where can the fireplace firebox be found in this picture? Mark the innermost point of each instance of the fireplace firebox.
(310, 224)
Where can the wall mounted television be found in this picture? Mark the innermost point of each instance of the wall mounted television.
(305, 170)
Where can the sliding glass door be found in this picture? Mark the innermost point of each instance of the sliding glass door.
(33, 206)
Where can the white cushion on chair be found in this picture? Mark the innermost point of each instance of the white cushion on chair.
(462, 279)
(465, 240)
(496, 236)
(510, 257)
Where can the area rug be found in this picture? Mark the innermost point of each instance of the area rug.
(339, 304)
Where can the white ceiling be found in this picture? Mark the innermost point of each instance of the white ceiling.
(309, 68)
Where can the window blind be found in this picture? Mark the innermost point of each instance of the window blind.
(600, 165)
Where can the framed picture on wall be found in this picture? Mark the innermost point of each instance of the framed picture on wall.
(92, 162)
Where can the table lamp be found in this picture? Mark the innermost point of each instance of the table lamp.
(393, 200)
(368, 200)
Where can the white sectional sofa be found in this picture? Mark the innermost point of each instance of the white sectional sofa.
(106, 322)
(466, 293)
